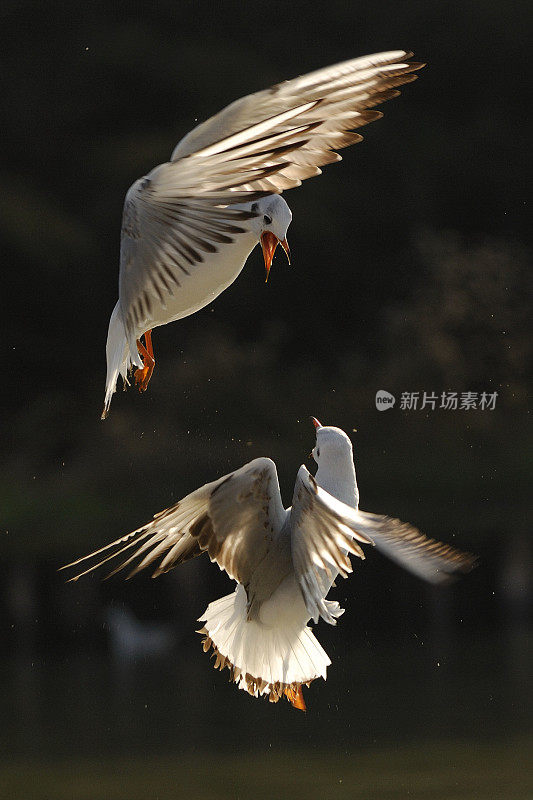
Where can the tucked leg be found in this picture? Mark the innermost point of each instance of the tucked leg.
(142, 376)
(295, 696)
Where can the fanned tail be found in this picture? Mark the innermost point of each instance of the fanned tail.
(263, 660)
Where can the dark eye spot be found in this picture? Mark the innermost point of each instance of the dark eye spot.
(254, 207)
(318, 453)
(267, 220)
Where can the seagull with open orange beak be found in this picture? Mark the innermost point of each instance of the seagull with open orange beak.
(264, 221)
(189, 226)
(269, 242)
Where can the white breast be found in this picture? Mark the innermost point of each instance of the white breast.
(204, 283)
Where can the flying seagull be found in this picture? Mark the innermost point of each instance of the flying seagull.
(190, 224)
(283, 560)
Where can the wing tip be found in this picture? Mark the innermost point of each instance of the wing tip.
(417, 64)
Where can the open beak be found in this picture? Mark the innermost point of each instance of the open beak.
(316, 423)
(269, 242)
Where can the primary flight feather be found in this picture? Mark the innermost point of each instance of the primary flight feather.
(190, 224)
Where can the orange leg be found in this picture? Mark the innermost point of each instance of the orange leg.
(295, 697)
(142, 376)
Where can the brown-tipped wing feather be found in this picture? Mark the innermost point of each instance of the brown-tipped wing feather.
(237, 519)
(320, 542)
(324, 531)
(264, 143)
(344, 91)
(431, 560)
(233, 519)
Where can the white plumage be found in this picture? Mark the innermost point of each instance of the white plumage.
(283, 560)
(190, 224)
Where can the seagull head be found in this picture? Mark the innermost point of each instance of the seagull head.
(270, 225)
(332, 445)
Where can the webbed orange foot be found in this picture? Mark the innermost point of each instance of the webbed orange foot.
(295, 696)
(142, 376)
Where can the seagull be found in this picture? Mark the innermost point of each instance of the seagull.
(190, 224)
(284, 561)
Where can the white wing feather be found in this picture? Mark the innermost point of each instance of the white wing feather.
(263, 143)
(347, 87)
(323, 529)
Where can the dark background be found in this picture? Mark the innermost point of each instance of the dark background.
(411, 272)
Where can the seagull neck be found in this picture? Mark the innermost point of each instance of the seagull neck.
(337, 477)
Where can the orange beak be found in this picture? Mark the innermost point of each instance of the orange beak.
(316, 423)
(269, 242)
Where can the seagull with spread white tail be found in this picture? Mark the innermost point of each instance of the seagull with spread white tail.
(190, 224)
(283, 560)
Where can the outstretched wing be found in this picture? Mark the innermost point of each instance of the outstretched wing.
(263, 143)
(321, 538)
(233, 519)
(323, 530)
(427, 558)
(336, 97)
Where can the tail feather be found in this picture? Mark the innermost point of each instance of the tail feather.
(269, 660)
(120, 356)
